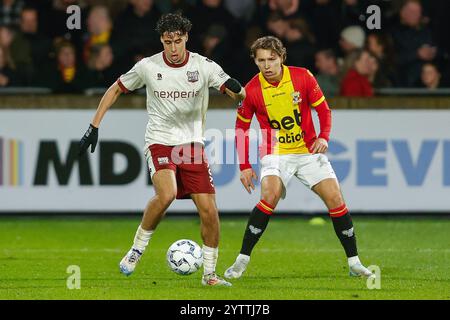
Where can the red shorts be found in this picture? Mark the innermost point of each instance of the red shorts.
(189, 163)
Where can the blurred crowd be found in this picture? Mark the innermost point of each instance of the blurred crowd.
(330, 37)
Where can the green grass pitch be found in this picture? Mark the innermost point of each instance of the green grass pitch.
(294, 260)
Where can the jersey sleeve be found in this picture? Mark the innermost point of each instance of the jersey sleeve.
(217, 76)
(318, 102)
(243, 121)
(315, 94)
(131, 80)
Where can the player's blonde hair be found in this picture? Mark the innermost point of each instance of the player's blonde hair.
(269, 43)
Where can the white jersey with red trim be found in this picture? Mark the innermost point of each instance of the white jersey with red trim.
(177, 96)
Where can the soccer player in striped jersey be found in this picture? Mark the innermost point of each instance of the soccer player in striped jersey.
(282, 97)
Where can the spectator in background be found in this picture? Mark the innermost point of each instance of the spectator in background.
(221, 29)
(174, 6)
(381, 47)
(300, 43)
(241, 10)
(325, 26)
(285, 9)
(99, 27)
(351, 11)
(65, 76)
(10, 12)
(246, 67)
(413, 42)
(276, 25)
(356, 80)
(437, 11)
(288, 8)
(19, 51)
(39, 44)
(134, 31)
(328, 72)
(374, 67)
(214, 44)
(430, 76)
(7, 75)
(6, 38)
(101, 69)
(55, 21)
(206, 14)
(352, 38)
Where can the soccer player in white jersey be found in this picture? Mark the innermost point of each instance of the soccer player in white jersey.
(177, 83)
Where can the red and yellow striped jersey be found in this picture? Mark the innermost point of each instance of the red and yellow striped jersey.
(283, 111)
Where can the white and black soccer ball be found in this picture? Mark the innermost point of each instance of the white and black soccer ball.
(184, 257)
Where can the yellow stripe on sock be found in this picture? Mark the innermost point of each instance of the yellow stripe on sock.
(340, 211)
(265, 207)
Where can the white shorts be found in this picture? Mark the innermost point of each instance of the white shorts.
(310, 169)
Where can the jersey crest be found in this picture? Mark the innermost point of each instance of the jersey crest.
(296, 99)
(192, 76)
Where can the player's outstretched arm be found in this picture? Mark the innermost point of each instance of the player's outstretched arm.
(90, 138)
(106, 102)
(234, 89)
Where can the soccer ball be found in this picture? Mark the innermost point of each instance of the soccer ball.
(184, 257)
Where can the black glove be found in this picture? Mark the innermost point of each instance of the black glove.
(233, 85)
(89, 138)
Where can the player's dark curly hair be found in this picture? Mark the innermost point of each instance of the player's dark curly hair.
(173, 22)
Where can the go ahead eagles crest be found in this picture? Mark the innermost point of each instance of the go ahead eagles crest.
(192, 76)
(296, 99)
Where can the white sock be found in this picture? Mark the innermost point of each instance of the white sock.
(141, 239)
(209, 259)
(244, 257)
(353, 260)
